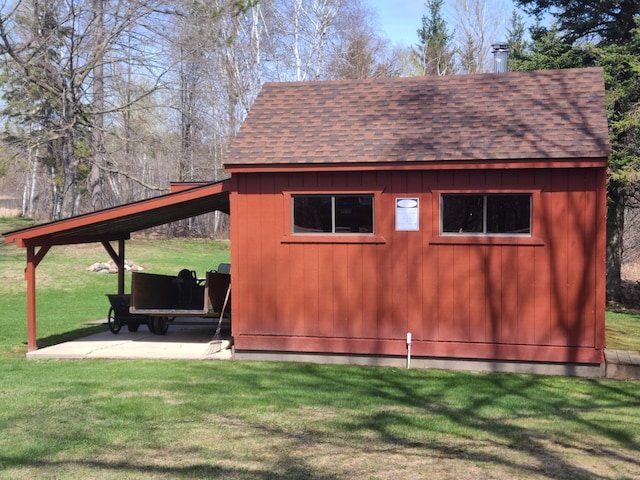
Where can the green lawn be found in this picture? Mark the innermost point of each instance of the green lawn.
(623, 330)
(235, 420)
(247, 420)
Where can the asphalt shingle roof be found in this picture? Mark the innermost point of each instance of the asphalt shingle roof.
(551, 114)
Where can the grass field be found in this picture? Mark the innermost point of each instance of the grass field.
(146, 419)
(243, 420)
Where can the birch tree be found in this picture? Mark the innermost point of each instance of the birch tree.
(96, 178)
(48, 44)
(298, 36)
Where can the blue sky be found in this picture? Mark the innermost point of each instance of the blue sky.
(400, 19)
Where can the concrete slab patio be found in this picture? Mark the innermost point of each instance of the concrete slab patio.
(182, 342)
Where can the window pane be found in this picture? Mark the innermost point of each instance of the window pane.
(312, 214)
(339, 214)
(462, 213)
(509, 213)
(354, 214)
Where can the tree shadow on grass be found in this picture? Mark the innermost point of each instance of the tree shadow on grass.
(288, 468)
(296, 421)
(495, 420)
(519, 400)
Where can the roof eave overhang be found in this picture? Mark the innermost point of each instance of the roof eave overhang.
(546, 163)
(124, 219)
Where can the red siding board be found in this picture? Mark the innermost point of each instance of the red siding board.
(559, 232)
(509, 274)
(429, 268)
(351, 281)
(543, 289)
(323, 292)
(446, 294)
(335, 263)
(283, 271)
(580, 259)
(399, 284)
(255, 254)
(478, 319)
(510, 178)
(241, 278)
(264, 267)
(385, 265)
(445, 179)
(494, 295)
(525, 296)
(461, 292)
(370, 289)
(313, 288)
(296, 321)
(340, 181)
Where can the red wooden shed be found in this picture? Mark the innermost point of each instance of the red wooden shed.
(468, 211)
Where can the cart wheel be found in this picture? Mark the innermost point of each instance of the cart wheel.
(151, 324)
(161, 326)
(132, 326)
(114, 324)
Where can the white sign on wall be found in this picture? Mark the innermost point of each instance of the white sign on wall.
(407, 214)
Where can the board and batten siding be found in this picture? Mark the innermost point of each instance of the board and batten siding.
(537, 300)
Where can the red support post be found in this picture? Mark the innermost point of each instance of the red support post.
(33, 259)
(30, 277)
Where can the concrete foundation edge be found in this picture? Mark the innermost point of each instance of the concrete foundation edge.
(622, 371)
(497, 366)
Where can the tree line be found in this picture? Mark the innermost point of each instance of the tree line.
(106, 101)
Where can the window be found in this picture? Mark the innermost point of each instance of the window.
(486, 214)
(332, 214)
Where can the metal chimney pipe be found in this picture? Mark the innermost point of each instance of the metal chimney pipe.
(500, 52)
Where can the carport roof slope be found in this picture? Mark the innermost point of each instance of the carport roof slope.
(118, 222)
(552, 114)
